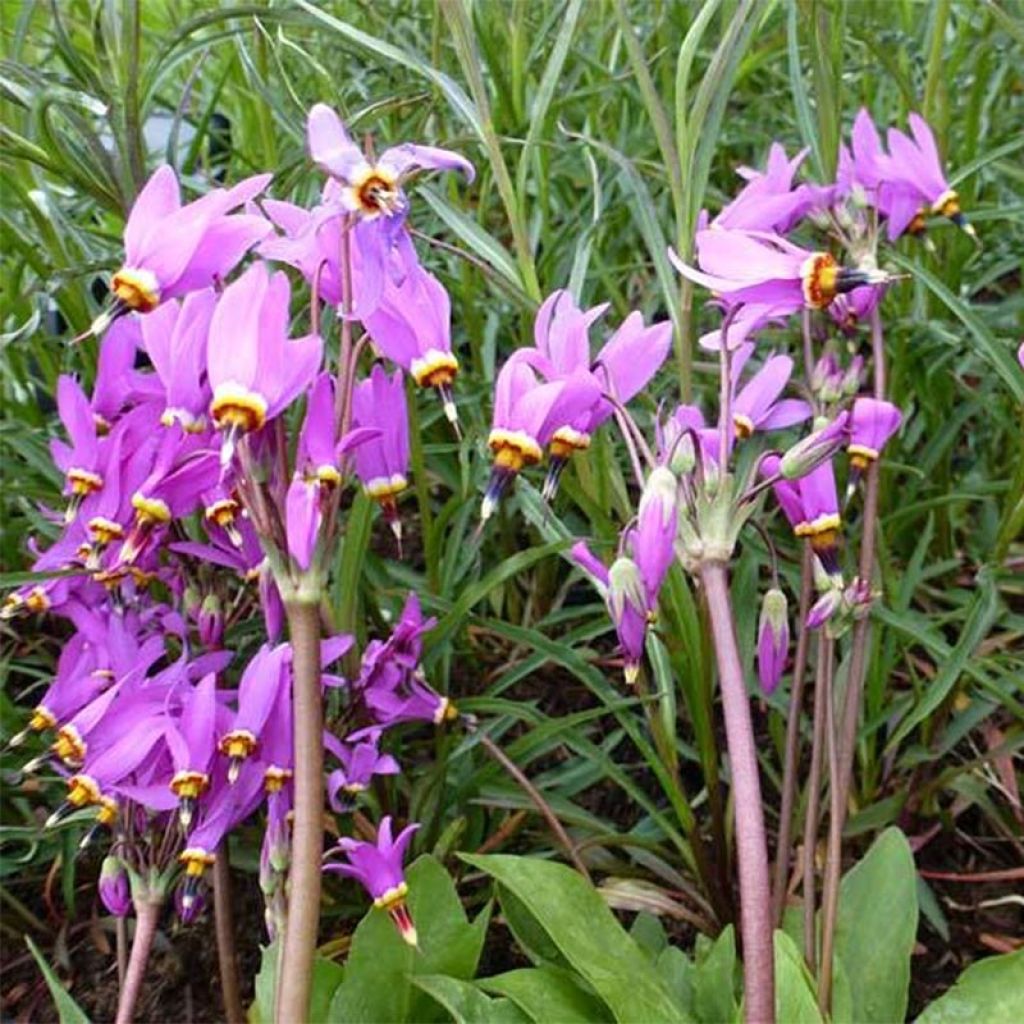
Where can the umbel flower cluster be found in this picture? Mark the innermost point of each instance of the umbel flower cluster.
(189, 504)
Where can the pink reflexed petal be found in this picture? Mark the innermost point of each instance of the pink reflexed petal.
(234, 344)
(330, 148)
(408, 157)
(634, 354)
(159, 198)
(223, 244)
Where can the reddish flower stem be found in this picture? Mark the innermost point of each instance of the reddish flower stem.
(224, 926)
(846, 739)
(296, 976)
(813, 803)
(147, 915)
(792, 750)
(751, 846)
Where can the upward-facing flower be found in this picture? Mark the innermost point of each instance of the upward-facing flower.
(373, 189)
(171, 249)
(371, 193)
(255, 369)
(378, 868)
(382, 462)
(753, 267)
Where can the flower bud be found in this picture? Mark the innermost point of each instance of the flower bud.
(824, 608)
(853, 376)
(814, 450)
(661, 487)
(189, 903)
(772, 639)
(115, 891)
(211, 623)
(625, 586)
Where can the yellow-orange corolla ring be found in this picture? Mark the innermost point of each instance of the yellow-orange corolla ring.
(374, 190)
(744, 425)
(567, 440)
(948, 204)
(150, 511)
(819, 277)
(513, 449)
(236, 406)
(386, 488)
(188, 785)
(138, 289)
(196, 860)
(861, 455)
(83, 481)
(434, 368)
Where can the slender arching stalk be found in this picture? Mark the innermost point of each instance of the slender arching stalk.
(295, 981)
(751, 846)
(811, 811)
(791, 755)
(846, 736)
(835, 825)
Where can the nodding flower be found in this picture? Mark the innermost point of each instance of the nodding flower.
(411, 325)
(80, 461)
(632, 584)
(914, 172)
(192, 743)
(768, 202)
(255, 369)
(174, 337)
(171, 249)
(377, 866)
(526, 415)
(872, 423)
(360, 759)
(622, 368)
(756, 405)
(382, 463)
(756, 267)
(811, 505)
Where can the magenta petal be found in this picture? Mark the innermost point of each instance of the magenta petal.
(302, 516)
(159, 198)
(329, 145)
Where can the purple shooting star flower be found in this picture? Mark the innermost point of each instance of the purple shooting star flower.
(872, 423)
(382, 463)
(360, 759)
(526, 416)
(768, 202)
(373, 190)
(622, 368)
(378, 868)
(754, 267)
(80, 460)
(412, 327)
(914, 170)
(171, 249)
(174, 337)
(255, 369)
(756, 406)
(192, 743)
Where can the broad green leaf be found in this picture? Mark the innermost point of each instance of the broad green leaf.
(587, 934)
(377, 986)
(990, 991)
(714, 981)
(649, 934)
(795, 999)
(676, 971)
(548, 994)
(70, 1012)
(467, 1004)
(876, 928)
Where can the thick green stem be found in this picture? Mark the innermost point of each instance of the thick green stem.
(751, 846)
(296, 977)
